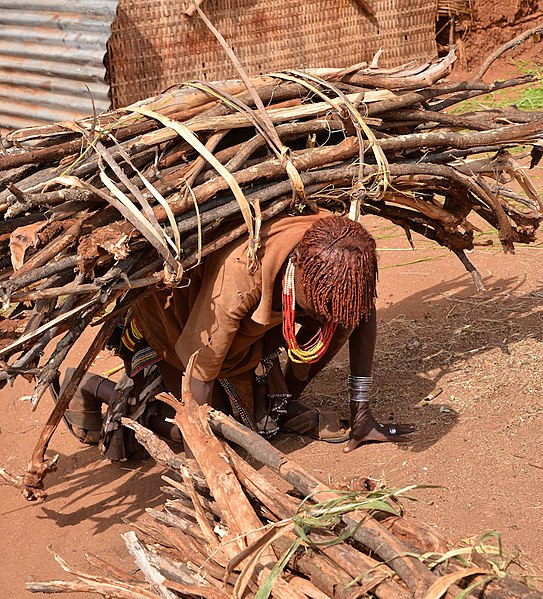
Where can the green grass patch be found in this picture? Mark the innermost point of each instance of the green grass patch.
(525, 97)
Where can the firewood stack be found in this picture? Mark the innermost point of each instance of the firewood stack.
(227, 532)
(95, 212)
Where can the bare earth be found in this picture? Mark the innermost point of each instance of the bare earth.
(479, 438)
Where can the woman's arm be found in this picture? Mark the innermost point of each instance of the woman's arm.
(362, 346)
(364, 427)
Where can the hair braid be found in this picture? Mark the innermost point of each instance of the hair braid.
(337, 262)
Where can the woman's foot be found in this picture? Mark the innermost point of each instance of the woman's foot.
(83, 416)
(318, 424)
(365, 429)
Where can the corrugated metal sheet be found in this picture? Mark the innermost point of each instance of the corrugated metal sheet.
(51, 59)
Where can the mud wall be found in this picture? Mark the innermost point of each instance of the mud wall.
(494, 23)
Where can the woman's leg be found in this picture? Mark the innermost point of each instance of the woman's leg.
(84, 413)
(298, 376)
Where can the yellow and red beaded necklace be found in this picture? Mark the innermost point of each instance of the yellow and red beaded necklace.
(317, 346)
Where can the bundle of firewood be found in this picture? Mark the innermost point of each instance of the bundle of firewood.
(133, 198)
(227, 532)
(96, 211)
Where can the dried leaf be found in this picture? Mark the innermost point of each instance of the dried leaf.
(21, 239)
(442, 585)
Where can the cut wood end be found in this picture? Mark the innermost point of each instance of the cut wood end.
(168, 398)
(187, 377)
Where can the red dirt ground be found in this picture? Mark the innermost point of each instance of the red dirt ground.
(492, 24)
(479, 438)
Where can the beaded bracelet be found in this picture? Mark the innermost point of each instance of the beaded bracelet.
(359, 388)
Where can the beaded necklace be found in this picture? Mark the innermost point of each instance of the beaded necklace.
(317, 346)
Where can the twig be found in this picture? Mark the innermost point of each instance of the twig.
(32, 482)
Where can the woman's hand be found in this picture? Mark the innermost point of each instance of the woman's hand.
(202, 391)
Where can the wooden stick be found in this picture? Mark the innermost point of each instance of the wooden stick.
(239, 516)
(347, 558)
(370, 533)
(115, 590)
(32, 482)
(50, 370)
(152, 575)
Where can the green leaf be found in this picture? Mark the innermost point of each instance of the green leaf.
(265, 590)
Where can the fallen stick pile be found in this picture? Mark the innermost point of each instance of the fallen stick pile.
(97, 211)
(227, 532)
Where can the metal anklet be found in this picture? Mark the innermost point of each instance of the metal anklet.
(359, 388)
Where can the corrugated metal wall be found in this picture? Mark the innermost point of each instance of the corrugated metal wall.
(51, 59)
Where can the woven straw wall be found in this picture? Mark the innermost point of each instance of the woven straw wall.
(154, 45)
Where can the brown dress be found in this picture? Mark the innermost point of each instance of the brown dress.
(227, 315)
(226, 311)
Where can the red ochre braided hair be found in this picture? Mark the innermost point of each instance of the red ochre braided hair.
(337, 263)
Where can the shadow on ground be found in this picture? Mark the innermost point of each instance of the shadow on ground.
(90, 488)
(434, 339)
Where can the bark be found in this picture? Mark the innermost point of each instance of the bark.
(370, 533)
(32, 482)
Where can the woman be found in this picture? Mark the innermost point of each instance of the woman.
(317, 271)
